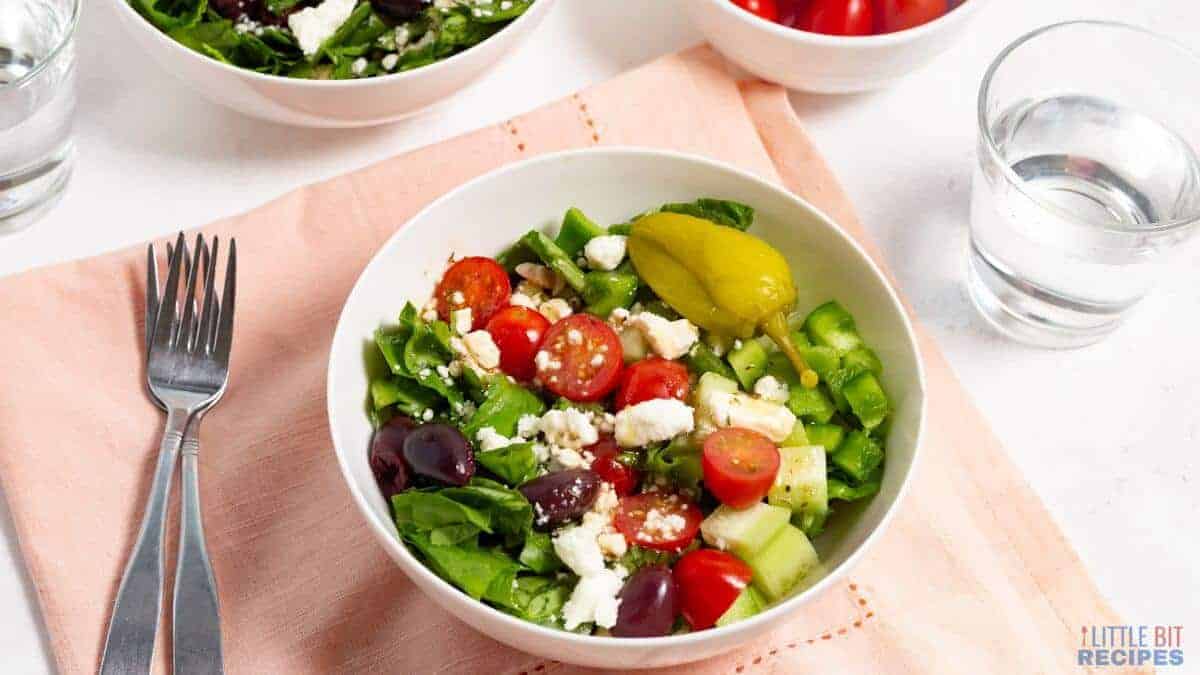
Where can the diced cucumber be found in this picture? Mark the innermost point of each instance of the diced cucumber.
(824, 360)
(577, 230)
(834, 384)
(744, 532)
(783, 563)
(839, 490)
(832, 326)
(800, 486)
(748, 603)
(810, 404)
(797, 438)
(799, 337)
(867, 399)
(858, 456)
(702, 359)
(863, 358)
(828, 436)
(779, 367)
(749, 363)
(711, 383)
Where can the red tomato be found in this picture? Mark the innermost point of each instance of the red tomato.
(652, 378)
(624, 478)
(518, 331)
(767, 9)
(897, 15)
(665, 531)
(478, 283)
(834, 17)
(709, 582)
(585, 358)
(739, 466)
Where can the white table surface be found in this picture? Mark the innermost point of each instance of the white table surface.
(1106, 435)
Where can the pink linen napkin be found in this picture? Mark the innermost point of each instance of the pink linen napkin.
(973, 576)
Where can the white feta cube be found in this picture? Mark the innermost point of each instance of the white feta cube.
(576, 547)
(606, 252)
(668, 339)
(594, 600)
(653, 421)
(568, 428)
(742, 410)
(555, 309)
(461, 320)
(489, 439)
(482, 349)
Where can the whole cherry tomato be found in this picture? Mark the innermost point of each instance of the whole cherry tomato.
(709, 582)
(767, 9)
(608, 466)
(652, 378)
(897, 15)
(518, 332)
(834, 17)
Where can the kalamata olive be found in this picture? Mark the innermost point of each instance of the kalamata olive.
(649, 604)
(387, 456)
(399, 10)
(440, 452)
(561, 497)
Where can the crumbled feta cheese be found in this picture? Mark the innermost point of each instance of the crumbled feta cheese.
(359, 66)
(607, 501)
(455, 367)
(606, 252)
(605, 423)
(458, 298)
(522, 300)
(568, 428)
(618, 317)
(594, 600)
(427, 415)
(403, 35)
(742, 410)
(668, 339)
(539, 275)
(543, 361)
(597, 360)
(429, 314)
(564, 459)
(489, 439)
(533, 335)
(312, 26)
(576, 547)
(527, 426)
(555, 309)
(769, 388)
(480, 346)
(389, 62)
(461, 320)
(541, 452)
(574, 337)
(652, 421)
(612, 545)
(660, 526)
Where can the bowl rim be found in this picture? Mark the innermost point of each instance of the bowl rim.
(428, 580)
(364, 83)
(961, 12)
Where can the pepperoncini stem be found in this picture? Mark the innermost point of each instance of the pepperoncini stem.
(777, 328)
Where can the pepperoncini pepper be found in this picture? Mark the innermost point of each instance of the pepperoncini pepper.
(724, 280)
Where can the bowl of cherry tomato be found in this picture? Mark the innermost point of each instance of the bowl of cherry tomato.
(832, 46)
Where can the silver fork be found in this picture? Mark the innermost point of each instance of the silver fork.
(187, 372)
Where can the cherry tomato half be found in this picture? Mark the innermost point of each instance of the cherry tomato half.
(709, 582)
(607, 465)
(739, 466)
(652, 378)
(833, 17)
(897, 15)
(767, 9)
(584, 358)
(662, 521)
(478, 283)
(518, 332)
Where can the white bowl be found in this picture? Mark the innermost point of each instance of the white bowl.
(610, 185)
(328, 103)
(826, 64)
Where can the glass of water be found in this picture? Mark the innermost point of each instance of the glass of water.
(1087, 178)
(37, 103)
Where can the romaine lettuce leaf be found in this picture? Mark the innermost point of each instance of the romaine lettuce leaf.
(513, 464)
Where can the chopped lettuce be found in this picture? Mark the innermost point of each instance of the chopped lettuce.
(506, 403)
(538, 554)
(513, 464)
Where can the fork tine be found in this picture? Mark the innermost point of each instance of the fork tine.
(201, 272)
(204, 339)
(151, 295)
(225, 329)
(164, 327)
(187, 327)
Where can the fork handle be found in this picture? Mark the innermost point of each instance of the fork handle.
(197, 619)
(129, 647)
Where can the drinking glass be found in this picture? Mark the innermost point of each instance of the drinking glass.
(1087, 178)
(37, 103)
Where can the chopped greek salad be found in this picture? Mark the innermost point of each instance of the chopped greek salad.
(595, 432)
(330, 39)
